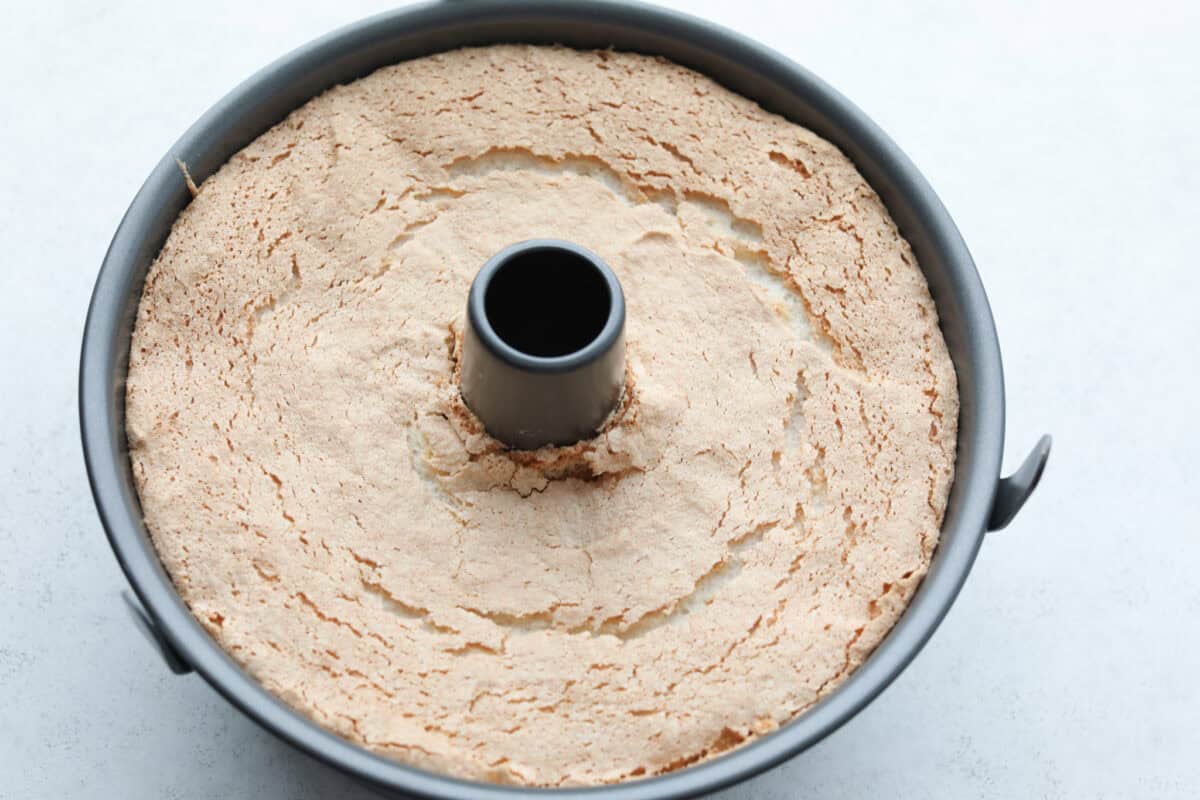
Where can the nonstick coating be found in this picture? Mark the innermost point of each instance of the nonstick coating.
(738, 63)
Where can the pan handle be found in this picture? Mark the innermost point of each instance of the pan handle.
(148, 629)
(1013, 491)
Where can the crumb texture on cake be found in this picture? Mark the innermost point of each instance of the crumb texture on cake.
(749, 524)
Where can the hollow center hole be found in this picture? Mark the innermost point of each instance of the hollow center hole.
(547, 302)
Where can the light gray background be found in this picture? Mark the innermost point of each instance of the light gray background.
(1064, 139)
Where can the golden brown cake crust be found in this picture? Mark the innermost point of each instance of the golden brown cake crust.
(751, 522)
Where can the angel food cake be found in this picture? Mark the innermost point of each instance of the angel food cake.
(747, 526)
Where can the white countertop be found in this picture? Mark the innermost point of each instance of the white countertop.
(1065, 140)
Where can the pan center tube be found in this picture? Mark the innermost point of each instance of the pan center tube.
(543, 359)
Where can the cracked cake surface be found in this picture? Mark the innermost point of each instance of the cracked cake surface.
(745, 529)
